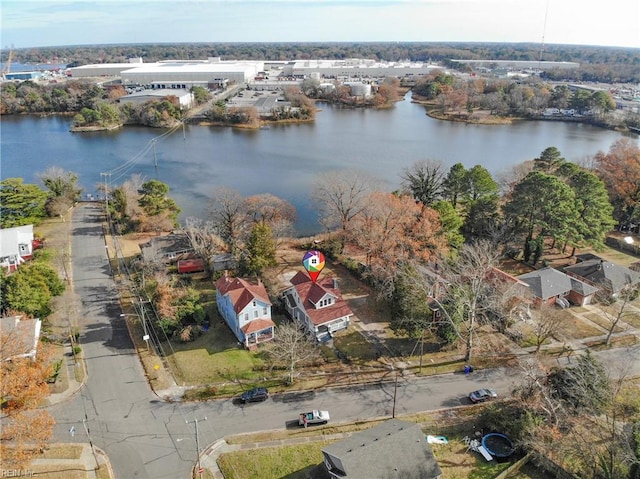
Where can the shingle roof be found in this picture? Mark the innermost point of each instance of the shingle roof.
(603, 272)
(548, 282)
(310, 293)
(241, 292)
(394, 449)
(258, 325)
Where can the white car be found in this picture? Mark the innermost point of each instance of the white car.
(313, 417)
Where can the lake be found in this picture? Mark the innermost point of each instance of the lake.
(284, 160)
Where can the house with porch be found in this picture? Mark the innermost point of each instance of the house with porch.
(16, 246)
(392, 449)
(246, 308)
(550, 286)
(608, 277)
(19, 337)
(317, 306)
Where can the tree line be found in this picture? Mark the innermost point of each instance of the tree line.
(599, 64)
(458, 97)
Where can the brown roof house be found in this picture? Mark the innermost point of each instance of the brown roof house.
(318, 306)
(19, 337)
(393, 449)
(246, 308)
(549, 286)
(608, 277)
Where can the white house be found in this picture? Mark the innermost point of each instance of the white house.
(16, 246)
(318, 306)
(19, 337)
(246, 308)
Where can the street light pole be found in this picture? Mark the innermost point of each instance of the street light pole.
(200, 471)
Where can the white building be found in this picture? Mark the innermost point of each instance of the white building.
(185, 97)
(185, 74)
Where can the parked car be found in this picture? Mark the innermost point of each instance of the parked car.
(255, 395)
(482, 395)
(313, 417)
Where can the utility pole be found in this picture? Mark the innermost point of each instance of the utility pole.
(395, 392)
(144, 324)
(200, 470)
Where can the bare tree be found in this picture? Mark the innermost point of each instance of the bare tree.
(226, 209)
(204, 238)
(423, 180)
(620, 309)
(469, 278)
(291, 347)
(340, 196)
(546, 321)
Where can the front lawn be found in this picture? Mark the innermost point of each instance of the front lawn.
(214, 357)
(304, 461)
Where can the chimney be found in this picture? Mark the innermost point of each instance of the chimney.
(335, 283)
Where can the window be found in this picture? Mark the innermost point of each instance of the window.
(264, 310)
(246, 316)
(254, 303)
(255, 313)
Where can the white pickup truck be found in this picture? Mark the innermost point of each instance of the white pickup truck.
(313, 417)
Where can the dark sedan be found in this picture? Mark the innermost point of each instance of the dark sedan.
(255, 395)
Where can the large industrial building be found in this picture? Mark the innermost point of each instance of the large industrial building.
(188, 73)
(356, 68)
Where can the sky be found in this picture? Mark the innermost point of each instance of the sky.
(40, 23)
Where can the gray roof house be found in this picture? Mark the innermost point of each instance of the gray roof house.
(394, 449)
(611, 278)
(548, 285)
(167, 249)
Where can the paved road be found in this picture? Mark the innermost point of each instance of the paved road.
(149, 438)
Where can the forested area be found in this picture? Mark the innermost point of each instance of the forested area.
(604, 64)
(454, 97)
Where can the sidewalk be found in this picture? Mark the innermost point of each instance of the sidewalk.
(72, 366)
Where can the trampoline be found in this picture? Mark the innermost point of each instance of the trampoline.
(498, 445)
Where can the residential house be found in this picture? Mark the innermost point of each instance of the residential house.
(549, 286)
(167, 249)
(16, 246)
(318, 306)
(608, 277)
(246, 309)
(393, 449)
(19, 337)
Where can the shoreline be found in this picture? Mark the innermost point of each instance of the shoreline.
(480, 119)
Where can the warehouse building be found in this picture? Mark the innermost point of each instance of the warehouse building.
(186, 74)
(356, 68)
(185, 97)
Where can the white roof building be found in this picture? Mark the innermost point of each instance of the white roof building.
(190, 72)
(185, 97)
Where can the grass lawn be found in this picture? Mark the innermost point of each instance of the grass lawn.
(354, 346)
(573, 327)
(602, 322)
(214, 357)
(305, 461)
(299, 461)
